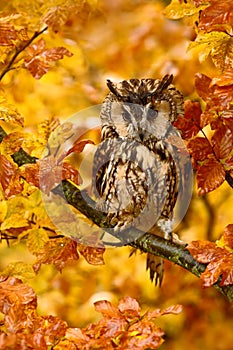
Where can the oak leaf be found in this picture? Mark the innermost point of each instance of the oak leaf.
(200, 149)
(93, 255)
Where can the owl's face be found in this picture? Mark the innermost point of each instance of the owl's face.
(142, 108)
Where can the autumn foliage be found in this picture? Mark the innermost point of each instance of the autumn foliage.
(55, 58)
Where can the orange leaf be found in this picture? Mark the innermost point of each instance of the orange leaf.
(9, 177)
(210, 176)
(228, 235)
(222, 142)
(38, 59)
(79, 146)
(8, 34)
(200, 149)
(220, 262)
(129, 307)
(60, 252)
(93, 255)
(217, 17)
(106, 308)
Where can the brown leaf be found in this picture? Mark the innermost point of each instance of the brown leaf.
(210, 176)
(60, 252)
(228, 235)
(189, 124)
(39, 58)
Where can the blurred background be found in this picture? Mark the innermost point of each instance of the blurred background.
(118, 40)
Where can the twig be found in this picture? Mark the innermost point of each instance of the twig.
(19, 50)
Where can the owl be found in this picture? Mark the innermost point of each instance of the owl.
(135, 174)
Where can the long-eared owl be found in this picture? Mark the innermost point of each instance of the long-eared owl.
(136, 176)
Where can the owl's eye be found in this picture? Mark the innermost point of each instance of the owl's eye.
(152, 114)
(126, 116)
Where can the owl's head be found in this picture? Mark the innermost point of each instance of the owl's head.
(139, 108)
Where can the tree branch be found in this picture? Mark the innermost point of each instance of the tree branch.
(19, 50)
(147, 243)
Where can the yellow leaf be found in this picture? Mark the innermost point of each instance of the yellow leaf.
(176, 10)
(36, 239)
(14, 221)
(3, 210)
(12, 143)
(19, 269)
(218, 45)
(9, 114)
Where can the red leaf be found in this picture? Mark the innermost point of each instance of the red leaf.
(189, 124)
(200, 149)
(210, 176)
(38, 59)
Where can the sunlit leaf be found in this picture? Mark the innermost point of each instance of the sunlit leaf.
(36, 239)
(217, 16)
(19, 269)
(219, 45)
(39, 58)
(92, 254)
(9, 114)
(9, 177)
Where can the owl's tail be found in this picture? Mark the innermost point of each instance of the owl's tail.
(155, 265)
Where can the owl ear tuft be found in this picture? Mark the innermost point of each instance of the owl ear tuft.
(112, 88)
